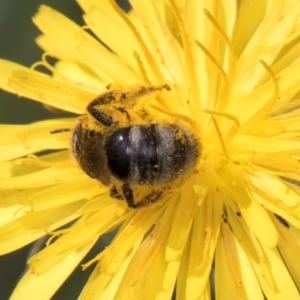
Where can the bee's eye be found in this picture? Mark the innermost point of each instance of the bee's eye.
(75, 139)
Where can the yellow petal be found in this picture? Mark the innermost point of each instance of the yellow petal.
(281, 285)
(10, 204)
(182, 222)
(85, 231)
(289, 248)
(197, 260)
(105, 286)
(276, 197)
(20, 140)
(25, 229)
(265, 44)
(54, 175)
(6, 68)
(151, 251)
(232, 181)
(275, 188)
(250, 15)
(124, 44)
(270, 270)
(244, 145)
(44, 286)
(63, 194)
(35, 136)
(234, 276)
(50, 91)
(159, 38)
(131, 232)
(81, 76)
(88, 50)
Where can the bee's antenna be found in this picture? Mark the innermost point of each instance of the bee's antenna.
(59, 130)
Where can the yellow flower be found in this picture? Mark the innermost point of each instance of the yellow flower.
(233, 227)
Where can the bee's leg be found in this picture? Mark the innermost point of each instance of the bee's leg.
(154, 196)
(115, 193)
(120, 100)
(123, 96)
(97, 108)
(101, 117)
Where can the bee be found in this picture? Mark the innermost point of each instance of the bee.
(141, 161)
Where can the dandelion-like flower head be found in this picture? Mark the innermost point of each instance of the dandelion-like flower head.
(232, 227)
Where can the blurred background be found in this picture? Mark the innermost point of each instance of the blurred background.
(17, 36)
